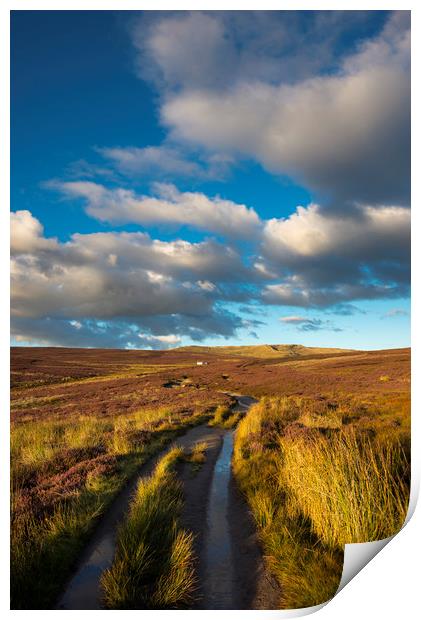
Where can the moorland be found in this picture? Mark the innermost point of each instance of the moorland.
(318, 456)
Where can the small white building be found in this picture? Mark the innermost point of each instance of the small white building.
(201, 363)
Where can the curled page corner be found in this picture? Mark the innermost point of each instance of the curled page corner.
(358, 555)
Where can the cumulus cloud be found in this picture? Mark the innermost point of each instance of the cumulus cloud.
(49, 331)
(168, 206)
(320, 97)
(310, 233)
(238, 46)
(170, 289)
(26, 234)
(122, 274)
(345, 134)
(323, 259)
(152, 292)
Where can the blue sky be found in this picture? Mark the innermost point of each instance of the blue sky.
(210, 177)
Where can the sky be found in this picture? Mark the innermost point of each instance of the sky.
(211, 178)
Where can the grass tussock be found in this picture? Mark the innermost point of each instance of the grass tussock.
(318, 475)
(198, 453)
(153, 567)
(64, 475)
(353, 489)
(221, 414)
(225, 417)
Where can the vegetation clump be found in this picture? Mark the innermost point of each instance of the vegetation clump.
(197, 455)
(153, 565)
(318, 475)
(225, 417)
(64, 474)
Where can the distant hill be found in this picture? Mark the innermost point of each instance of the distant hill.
(281, 351)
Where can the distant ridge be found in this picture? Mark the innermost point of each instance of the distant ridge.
(281, 351)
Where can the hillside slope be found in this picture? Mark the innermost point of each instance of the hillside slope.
(266, 350)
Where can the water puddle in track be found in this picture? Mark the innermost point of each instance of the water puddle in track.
(219, 576)
(84, 592)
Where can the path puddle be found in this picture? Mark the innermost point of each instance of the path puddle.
(83, 591)
(218, 564)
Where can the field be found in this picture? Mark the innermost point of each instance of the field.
(330, 432)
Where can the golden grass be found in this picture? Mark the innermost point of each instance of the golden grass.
(153, 566)
(198, 453)
(353, 489)
(222, 412)
(50, 540)
(318, 475)
(36, 442)
(225, 417)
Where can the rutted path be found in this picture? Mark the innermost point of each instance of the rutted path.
(230, 566)
(229, 562)
(83, 590)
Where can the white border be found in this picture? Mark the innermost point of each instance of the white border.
(387, 586)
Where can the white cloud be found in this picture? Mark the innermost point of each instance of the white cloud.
(167, 206)
(240, 46)
(395, 312)
(104, 289)
(293, 319)
(170, 340)
(166, 162)
(321, 258)
(26, 234)
(300, 293)
(188, 48)
(311, 232)
(345, 134)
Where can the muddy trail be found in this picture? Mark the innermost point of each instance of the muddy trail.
(229, 563)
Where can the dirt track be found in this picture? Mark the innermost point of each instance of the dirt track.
(230, 567)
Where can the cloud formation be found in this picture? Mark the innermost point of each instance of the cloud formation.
(240, 46)
(167, 206)
(166, 162)
(155, 292)
(304, 324)
(82, 286)
(277, 88)
(346, 134)
(324, 259)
